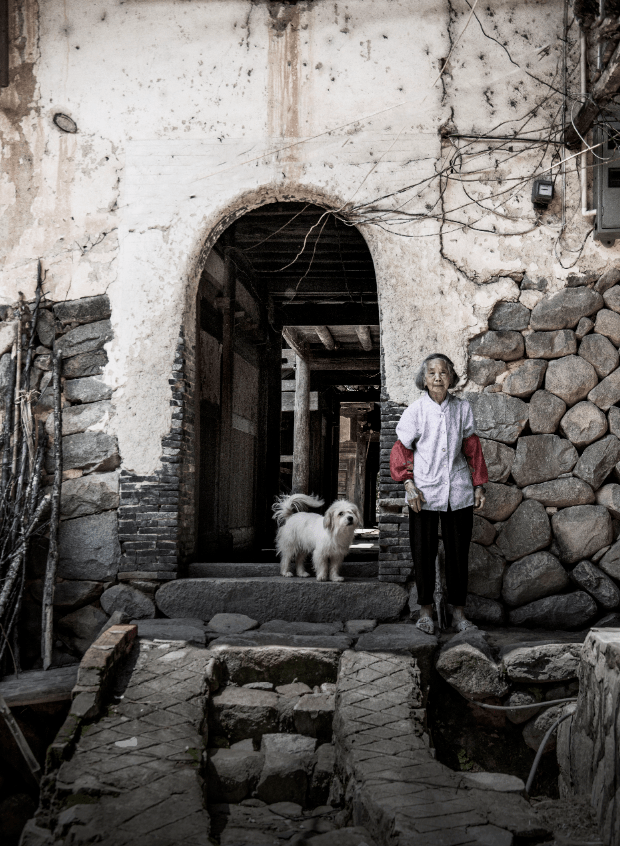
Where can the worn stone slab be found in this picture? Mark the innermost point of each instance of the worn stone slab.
(501, 501)
(601, 353)
(526, 531)
(588, 577)
(550, 344)
(569, 611)
(307, 662)
(525, 379)
(540, 458)
(533, 577)
(502, 782)
(298, 627)
(541, 661)
(570, 378)
(402, 639)
(85, 338)
(581, 530)
(87, 389)
(83, 310)
(192, 631)
(583, 423)
(565, 309)
(499, 459)
(292, 599)
(127, 599)
(89, 547)
(561, 493)
(243, 570)
(484, 371)
(505, 345)
(79, 418)
(545, 412)
(90, 494)
(467, 664)
(92, 452)
(260, 638)
(231, 623)
(85, 364)
(498, 417)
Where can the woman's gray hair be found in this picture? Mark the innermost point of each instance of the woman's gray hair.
(420, 379)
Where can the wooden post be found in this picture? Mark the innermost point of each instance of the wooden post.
(273, 390)
(52, 557)
(227, 302)
(301, 437)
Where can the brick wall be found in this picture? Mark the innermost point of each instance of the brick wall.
(394, 555)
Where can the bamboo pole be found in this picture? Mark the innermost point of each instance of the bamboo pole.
(52, 557)
(18, 380)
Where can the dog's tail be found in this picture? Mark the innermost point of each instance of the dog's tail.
(285, 506)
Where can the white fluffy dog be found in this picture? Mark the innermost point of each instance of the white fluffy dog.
(327, 538)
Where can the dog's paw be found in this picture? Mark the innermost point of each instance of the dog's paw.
(303, 574)
(287, 575)
(321, 578)
(337, 578)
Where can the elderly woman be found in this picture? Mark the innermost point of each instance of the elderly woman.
(440, 429)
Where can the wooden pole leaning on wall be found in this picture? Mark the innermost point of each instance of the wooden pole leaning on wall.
(47, 623)
(301, 430)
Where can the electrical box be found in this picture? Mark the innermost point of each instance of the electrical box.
(606, 182)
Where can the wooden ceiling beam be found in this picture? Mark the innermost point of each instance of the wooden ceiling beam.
(363, 334)
(295, 341)
(325, 337)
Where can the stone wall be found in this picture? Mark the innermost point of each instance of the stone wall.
(589, 745)
(119, 532)
(544, 384)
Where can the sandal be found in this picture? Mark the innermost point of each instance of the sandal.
(426, 625)
(464, 625)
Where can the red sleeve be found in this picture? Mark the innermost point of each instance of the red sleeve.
(401, 462)
(472, 448)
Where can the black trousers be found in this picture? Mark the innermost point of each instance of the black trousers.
(456, 529)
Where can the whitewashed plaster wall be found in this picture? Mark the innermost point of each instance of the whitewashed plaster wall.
(190, 112)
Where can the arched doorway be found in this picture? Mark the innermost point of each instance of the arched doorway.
(288, 346)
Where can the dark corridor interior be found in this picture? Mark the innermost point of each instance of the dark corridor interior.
(289, 381)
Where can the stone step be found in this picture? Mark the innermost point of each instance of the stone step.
(245, 570)
(266, 598)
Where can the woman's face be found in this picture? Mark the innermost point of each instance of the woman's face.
(437, 378)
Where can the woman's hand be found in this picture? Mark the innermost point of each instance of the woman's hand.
(416, 497)
(479, 498)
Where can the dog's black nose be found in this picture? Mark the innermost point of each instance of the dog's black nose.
(349, 520)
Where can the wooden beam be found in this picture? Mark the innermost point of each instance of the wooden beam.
(602, 91)
(363, 333)
(336, 315)
(301, 428)
(352, 363)
(325, 336)
(295, 341)
(288, 401)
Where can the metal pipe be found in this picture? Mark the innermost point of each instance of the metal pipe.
(543, 704)
(541, 748)
(583, 156)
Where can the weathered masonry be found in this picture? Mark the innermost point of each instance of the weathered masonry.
(254, 220)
